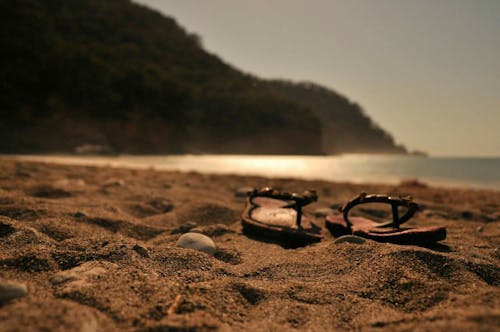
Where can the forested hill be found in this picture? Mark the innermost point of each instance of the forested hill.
(114, 73)
(346, 128)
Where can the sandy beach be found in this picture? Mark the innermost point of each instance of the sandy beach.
(95, 249)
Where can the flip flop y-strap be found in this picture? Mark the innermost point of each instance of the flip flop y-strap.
(297, 201)
(395, 202)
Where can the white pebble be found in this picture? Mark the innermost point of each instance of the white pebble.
(197, 241)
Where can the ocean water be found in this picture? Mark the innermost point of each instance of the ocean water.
(444, 171)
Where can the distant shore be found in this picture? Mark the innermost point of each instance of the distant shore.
(451, 172)
(95, 246)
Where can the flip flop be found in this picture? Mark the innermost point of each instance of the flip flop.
(387, 231)
(277, 216)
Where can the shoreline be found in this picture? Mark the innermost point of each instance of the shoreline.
(95, 249)
(177, 163)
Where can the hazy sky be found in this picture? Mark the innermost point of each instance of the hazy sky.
(428, 71)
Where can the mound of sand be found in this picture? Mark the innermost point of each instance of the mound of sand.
(96, 249)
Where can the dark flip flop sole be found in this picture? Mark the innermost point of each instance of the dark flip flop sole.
(366, 228)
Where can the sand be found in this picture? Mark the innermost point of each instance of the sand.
(95, 248)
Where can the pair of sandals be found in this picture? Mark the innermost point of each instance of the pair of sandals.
(277, 216)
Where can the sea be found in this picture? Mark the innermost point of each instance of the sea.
(464, 172)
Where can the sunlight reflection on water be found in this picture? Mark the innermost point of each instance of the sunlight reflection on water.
(468, 172)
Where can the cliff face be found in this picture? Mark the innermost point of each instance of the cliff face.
(117, 74)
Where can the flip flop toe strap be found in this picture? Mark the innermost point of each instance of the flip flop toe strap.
(395, 202)
(297, 201)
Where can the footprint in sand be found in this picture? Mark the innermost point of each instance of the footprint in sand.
(209, 213)
(149, 208)
(127, 228)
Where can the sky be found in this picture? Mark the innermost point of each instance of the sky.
(427, 71)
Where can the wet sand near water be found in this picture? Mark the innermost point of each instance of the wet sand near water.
(95, 248)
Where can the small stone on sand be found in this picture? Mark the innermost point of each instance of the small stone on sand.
(142, 251)
(164, 205)
(197, 241)
(350, 239)
(11, 290)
